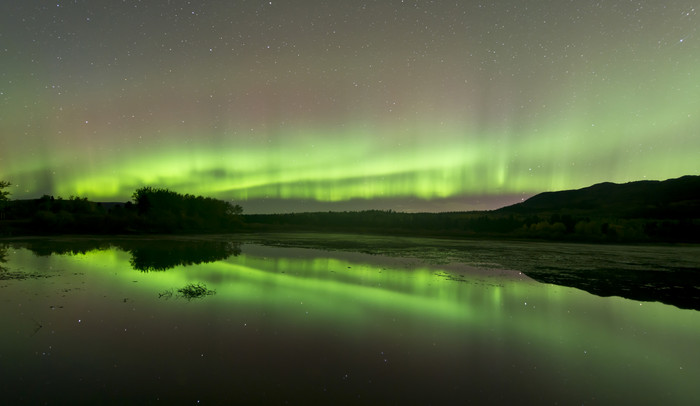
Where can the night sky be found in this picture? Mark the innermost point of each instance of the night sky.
(340, 105)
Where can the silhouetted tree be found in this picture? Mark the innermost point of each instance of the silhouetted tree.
(149, 256)
(3, 197)
(3, 253)
(170, 211)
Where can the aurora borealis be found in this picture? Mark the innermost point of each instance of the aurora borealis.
(409, 105)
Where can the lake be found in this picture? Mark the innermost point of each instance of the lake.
(338, 319)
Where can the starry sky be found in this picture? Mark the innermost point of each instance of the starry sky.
(346, 105)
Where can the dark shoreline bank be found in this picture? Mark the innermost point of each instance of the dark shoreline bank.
(654, 212)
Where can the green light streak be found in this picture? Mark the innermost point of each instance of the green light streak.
(606, 123)
(616, 130)
(354, 164)
(615, 105)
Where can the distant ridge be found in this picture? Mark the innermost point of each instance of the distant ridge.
(672, 198)
(644, 211)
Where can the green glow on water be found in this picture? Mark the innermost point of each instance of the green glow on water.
(337, 286)
(363, 299)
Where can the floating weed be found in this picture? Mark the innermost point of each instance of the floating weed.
(190, 291)
(8, 275)
(195, 291)
(167, 294)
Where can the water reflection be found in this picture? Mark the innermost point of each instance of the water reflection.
(3, 257)
(301, 326)
(147, 255)
(667, 274)
(155, 256)
(648, 273)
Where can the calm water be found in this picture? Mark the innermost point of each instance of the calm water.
(107, 324)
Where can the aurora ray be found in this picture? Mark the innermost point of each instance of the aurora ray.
(345, 102)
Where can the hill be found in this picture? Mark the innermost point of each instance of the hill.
(643, 211)
(669, 199)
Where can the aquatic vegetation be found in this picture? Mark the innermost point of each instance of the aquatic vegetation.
(167, 294)
(195, 291)
(190, 291)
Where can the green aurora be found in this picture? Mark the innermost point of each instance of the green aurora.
(421, 102)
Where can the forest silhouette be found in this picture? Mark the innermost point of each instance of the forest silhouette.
(153, 210)
(644, 211)
(147, 255)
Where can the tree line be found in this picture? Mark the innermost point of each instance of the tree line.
(152, 210)
(160, 210)
(147, 255)
(499, 225)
